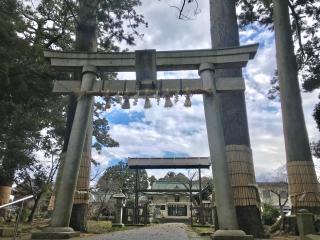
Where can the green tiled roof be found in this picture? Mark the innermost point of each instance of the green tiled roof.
(163, 184)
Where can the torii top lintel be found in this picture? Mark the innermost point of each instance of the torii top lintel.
(232, 57)
(169, 163)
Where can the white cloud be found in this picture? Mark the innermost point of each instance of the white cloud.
(182, 129)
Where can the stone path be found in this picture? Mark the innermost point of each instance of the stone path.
(168, 231)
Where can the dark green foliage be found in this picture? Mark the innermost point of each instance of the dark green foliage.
(253, 11)
(113, 16)
(273, 93)
(27, 106)
(101, 128)
(24, 214)
(305, 16)
(269, 214)
(58, 14)
(120, 177)
(316, 115)
(26, 103)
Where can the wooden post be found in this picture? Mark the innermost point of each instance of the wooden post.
(191, 220)
(190, 200)
(146, 214)
(136, 199)
(201, 213)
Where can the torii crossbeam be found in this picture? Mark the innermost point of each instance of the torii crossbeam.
(146, 63)
(233, 57)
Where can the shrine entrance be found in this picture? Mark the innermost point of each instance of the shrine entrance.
(145, 64)
(175, 209)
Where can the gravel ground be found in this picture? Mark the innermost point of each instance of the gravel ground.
(174, 231)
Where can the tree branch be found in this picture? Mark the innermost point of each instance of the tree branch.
(297, 19)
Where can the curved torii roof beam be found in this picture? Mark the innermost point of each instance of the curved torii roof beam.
(232, 57)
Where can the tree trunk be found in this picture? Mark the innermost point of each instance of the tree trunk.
(302, 178)
(34, 208)
(224, 33)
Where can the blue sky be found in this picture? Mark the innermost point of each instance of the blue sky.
(124, 117)
(180, 131)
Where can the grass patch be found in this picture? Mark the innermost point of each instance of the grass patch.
(99, 227)
(156, 221)
(23, 227)
(94, 227)
(203, 231)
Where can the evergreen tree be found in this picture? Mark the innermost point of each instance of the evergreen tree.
(305, 22)
(27, 104)
(303, 26)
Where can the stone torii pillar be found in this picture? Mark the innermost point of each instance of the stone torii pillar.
(225, 33)
(228, 224)
(59, 226)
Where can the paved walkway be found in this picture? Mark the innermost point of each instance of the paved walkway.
(168, 231)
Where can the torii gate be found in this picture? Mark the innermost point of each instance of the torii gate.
(168, 163)
(146, 63)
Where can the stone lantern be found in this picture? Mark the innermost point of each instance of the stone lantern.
(120, 203)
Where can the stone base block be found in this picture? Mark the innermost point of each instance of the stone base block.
(6, 232)
(231, 235)
(55, 233)
(117, 225)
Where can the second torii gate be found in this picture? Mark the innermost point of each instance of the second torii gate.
(169, 163)
(146, 63)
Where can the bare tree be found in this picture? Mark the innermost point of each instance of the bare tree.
(37, 180)
(102, 194)
(192, 174)
(182, 9)
(280, 189)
